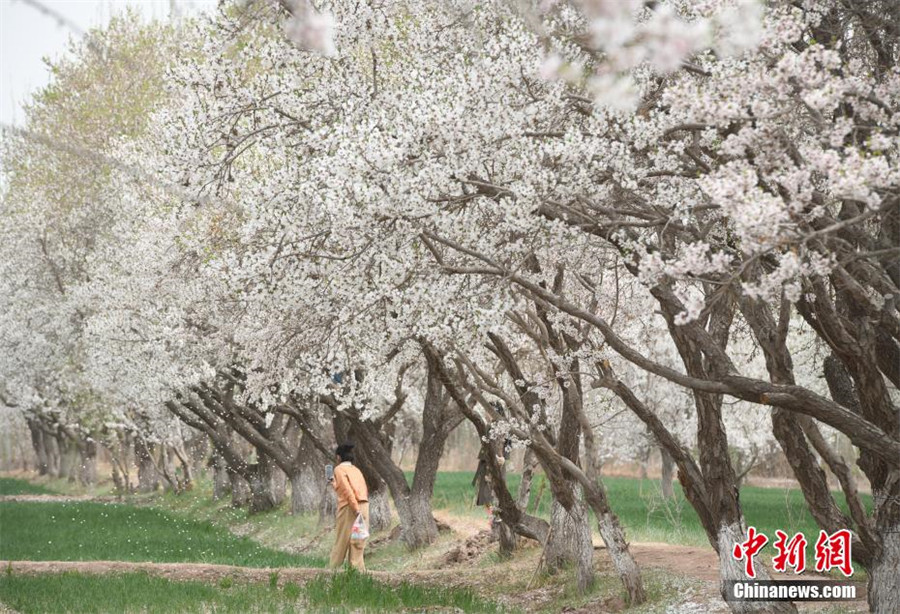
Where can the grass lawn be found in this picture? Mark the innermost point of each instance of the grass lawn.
(646, 515)
(83, 531)
(142, 593)
(14, 486)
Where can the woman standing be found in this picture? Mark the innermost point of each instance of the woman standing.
(353, 499)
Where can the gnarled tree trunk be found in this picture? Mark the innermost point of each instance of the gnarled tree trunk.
(569, 541)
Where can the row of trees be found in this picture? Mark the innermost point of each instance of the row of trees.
(285, 225)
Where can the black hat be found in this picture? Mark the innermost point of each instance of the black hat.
(345, 451)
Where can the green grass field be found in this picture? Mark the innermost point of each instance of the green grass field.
(85, 531)
(13, 486)
(141, 593)
(646, 515)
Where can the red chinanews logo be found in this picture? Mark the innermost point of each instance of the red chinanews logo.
(831, 551)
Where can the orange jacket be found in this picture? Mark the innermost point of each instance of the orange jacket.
(350, 486)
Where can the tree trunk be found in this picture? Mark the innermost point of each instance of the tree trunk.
(221, 483)
(667, 471)
(148, 476)
(884, 575)
(528, 466)
(417, 525)
(306, 491)
(186, 481)
(731, 569)
(40, 451)
(240, 489)
(379, 510)
(118, 480)
(196, 450)
(54, 460)
(279, 483)
(121, 455)
(265, 493)
(328, 508)
(569, 541)
(88, 473)
(508, 538)
(308, 483)
(69, 459)
(166, 467)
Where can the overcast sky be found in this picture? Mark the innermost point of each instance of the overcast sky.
(27, 35)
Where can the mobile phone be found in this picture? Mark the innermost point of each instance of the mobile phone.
(329, 472)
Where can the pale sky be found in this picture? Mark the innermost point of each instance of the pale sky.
(27, 35)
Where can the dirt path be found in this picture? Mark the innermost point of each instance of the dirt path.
(204, 572)
(688, 561)
(173, 571)
(697, 563)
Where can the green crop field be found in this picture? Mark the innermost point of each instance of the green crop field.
(13, 486)
(86, 531)
(645, 514)
(141, 593)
